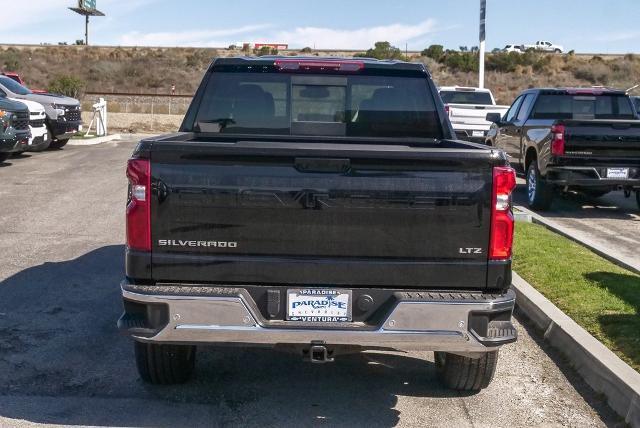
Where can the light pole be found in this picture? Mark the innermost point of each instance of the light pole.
(483, 15)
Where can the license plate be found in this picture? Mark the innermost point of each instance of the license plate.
(80, 128)
(319, 305)
(477, 133)
(617, 172)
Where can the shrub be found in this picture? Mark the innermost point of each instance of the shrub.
(11, 60)
(70, 86)
(265, 50)
(306, 50)
(597, 73)
(461, 61)
(383, 50)
(434, 52)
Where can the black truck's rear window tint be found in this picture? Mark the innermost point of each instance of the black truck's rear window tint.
(582, 107)
(290, 104)
(463, 97)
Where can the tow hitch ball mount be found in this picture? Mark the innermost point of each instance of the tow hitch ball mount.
(319, 354)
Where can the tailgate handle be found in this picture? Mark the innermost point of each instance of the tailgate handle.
(322, 165)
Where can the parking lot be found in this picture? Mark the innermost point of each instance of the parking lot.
(611, 221)
(62, 361)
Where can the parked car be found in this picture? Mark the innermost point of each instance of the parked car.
(64, 117)
(39, 139)
(318, 205)
(545, 46)
(14, 127)
(513, 48)
(17, 78)
(467, 109)
(585, 139)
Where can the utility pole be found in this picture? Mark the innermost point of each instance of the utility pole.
(86, 30)
(483, 16)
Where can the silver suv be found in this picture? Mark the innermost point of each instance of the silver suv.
(63, 113)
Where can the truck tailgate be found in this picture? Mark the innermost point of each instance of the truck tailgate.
(604, 140)
(472, 114)
(332, 214)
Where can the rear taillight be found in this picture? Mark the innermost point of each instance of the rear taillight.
(138, 205)
(557, 140)
(447, 110)
(504, 181)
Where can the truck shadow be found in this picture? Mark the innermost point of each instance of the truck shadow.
(622, 329)
(576, 205)
(58, 341)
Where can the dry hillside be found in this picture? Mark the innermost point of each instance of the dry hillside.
(153, 70)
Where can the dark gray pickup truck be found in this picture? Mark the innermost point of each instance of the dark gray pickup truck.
(14, 127)
(320, 206)
(584, 139)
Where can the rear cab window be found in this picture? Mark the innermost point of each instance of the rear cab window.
(284, 103)
(464, 97)
(583, 106)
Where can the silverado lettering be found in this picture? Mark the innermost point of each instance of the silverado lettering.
(181, 243)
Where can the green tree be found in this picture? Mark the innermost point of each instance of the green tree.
(383, 50)
(70, 86)
(435, 52)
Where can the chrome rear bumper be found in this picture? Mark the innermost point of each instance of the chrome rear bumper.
(437, 325)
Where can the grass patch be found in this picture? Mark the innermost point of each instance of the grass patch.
(600, 296)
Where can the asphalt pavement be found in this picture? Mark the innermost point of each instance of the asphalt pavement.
(611, 221)
(62, 361)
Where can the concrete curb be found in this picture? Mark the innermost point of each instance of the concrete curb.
(603, 370)
(606, 253)
(93, 141)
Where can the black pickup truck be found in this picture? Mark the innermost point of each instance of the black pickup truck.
(583, 139)
(319, 206)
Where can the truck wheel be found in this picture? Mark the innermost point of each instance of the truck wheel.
(464, 373)
(638, 198)
(539, 192)
(4, 156)
(165, 364)
(58, 144)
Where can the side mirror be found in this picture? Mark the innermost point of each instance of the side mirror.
(494, 117)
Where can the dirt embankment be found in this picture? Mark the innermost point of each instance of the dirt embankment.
(155, 70)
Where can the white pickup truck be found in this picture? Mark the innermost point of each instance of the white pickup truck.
(543, 45)
(467, 109)
(39, 139)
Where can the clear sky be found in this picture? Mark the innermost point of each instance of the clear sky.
(603, 26)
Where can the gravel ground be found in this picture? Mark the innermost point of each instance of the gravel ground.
(131, 123)
(62, 362)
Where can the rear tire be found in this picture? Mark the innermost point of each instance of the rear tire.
(638, 198)
(165, 364)
(4, 156)
(539, 192)
(58, 144)
(464, 373)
